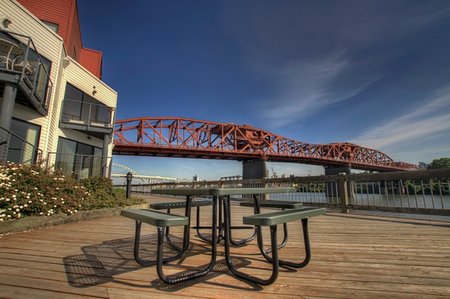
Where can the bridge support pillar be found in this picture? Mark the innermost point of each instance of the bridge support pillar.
(334, 190)
(254, 169)
(333, 170)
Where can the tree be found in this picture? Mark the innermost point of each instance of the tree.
(441, 163)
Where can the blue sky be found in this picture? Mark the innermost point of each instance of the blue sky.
(375, 73)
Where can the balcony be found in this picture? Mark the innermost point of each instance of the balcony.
(21, 64)
(94, 118)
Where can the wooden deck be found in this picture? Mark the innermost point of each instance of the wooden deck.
(353, 256)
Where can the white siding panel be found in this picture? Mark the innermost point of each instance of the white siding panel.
(85, 81)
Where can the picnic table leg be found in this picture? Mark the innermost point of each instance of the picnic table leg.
(198, 228)
(244, 241)
(145, 263)
(174, 279)
(169, 240)
(284, 262)
(228, 259)
(257, 210)
(236, 243)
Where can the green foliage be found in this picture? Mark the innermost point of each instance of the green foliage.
(103, 195)
(442, 163)
(32, 190)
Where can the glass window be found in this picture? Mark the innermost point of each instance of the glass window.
(65, 156)
(97, 162)
(24, 142)
(88, 106)
(43, 77)
(53, 26)
(78, 159)
(80, 107)
(72, 104)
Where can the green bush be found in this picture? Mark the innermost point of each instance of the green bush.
(35, 191)
(103, 195)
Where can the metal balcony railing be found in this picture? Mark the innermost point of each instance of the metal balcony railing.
(87, 114)
(79, 166)
(17, 150)
(18, 56)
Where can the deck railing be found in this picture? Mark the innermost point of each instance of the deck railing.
(424, 192)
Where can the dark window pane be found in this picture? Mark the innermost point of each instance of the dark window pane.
(54, 27)
(97, 163)
(78, 159)
(24, 142)
(72, 104)
(84, 160)
(65, 158)
(81, 107)
(87, 111)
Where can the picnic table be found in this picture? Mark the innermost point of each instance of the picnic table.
(221, 230)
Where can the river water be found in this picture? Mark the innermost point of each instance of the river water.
(379, 200)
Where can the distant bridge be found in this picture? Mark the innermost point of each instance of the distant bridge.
(149, 179)
(145, 178)
(190, 138)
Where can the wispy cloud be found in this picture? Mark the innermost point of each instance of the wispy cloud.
(188, 167)
(429, 120)
(304, 88)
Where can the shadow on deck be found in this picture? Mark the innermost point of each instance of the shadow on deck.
(353, 256)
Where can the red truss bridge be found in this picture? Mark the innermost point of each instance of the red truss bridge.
(190, 138)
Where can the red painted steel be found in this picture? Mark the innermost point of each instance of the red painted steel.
(183, 137)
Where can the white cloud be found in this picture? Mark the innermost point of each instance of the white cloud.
(188, 167)
(428, 121)
(303, 89)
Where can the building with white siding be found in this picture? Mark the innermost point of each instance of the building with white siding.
(54, 106)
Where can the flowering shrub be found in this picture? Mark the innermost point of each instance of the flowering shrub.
(33, 190)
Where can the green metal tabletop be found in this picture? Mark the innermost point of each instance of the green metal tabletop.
(221, 191)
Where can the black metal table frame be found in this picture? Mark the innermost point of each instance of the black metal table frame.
(220, 201)
(221, 227)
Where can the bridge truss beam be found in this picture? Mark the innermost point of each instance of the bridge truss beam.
(184, 137)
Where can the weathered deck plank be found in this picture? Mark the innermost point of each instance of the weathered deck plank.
(354, 256)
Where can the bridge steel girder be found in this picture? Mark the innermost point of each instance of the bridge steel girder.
(184, 137)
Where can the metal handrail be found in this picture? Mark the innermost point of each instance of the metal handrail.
(89, 118)
(80, 161)
(420, 192)
(32, 78)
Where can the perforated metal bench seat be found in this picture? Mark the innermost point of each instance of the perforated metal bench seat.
(155, 218)
(282, 204)
(180, 204)
(274, 218)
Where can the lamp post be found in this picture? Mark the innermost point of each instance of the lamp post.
(129, 179)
